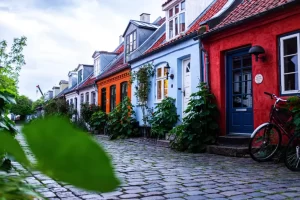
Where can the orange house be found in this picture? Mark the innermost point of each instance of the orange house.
(113, 85)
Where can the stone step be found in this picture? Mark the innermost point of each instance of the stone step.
(226, 150)
(234, 140)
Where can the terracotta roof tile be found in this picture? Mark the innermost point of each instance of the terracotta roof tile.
(120, 49)
(88, 82)
(248, 9)
(168, 1)
(119, 65)
(214, 9)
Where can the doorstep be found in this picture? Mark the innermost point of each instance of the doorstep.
(228, 150)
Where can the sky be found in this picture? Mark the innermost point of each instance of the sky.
(64, 33)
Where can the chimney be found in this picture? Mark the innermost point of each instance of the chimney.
(145, 17)
(120, 39)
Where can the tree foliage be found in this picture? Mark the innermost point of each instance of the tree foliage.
(23, 106)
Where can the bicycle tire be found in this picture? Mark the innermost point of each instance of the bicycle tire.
(292, 162)
(271, 149)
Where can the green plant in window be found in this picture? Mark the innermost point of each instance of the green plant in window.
(164, 118)
(199, 126)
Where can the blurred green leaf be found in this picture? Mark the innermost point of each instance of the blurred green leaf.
(70, 155)
(11, 146)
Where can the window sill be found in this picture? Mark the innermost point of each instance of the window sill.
(293, 93)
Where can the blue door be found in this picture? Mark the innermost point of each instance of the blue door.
(239, 93)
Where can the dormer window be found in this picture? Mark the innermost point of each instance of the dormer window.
(130, 42)
(97, 67)
(176, 20)
(80, 76)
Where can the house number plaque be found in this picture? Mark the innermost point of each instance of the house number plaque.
(259, 79)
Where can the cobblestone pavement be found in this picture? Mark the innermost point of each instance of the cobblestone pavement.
(154, 173)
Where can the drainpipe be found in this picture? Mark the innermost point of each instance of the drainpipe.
(206, 65)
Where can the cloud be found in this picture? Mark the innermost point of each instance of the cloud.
(63, 33)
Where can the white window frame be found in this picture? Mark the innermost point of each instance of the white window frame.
(173, 18)
(97, 66)
(81, 70)
(282, 39)
(162, 78)
(81, 98)
(87, 97)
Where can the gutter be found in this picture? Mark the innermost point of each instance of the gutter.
(294, 2)
(184, 38)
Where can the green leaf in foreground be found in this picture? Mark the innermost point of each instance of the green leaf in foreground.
(70, 155)
(11, 146)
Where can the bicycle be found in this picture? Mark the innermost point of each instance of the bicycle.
(266, 138)
(292, 153)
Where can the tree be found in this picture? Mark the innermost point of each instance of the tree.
(10, 66)
(38, 103)
(23, 106)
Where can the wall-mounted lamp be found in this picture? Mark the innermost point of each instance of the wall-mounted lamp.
(168, 70)
(256, 51)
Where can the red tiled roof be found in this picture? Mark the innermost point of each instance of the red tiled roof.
(161, 21)
(89, 82)
(119, 65)
(157, 44)
(214, 9)
(248, 9)
(168, 1)
(120, 49)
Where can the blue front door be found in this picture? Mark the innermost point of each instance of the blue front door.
(239, 93)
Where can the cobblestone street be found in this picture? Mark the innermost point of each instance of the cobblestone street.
(153, 173)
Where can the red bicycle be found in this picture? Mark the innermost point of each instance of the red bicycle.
(266, 139)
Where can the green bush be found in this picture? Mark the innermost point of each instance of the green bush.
(164, 118)
(199, 127)
(87, 111)
(56, 107)
(294, 106)
(98, 121)
(120, 121)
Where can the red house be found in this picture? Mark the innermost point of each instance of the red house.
(239, 79)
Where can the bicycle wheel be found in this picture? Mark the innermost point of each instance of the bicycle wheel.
(292, 153)
(265, 143)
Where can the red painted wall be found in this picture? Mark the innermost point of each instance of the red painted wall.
(263, 32)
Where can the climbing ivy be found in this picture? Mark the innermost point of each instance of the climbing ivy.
(143, 80)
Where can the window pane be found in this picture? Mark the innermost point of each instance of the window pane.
(247, 61)
(176, 9)
(291, 82)
(171, 29)
(291, 64)
(131, 38)
(165, 88)
(134, 44)
(134, 35)
(165, 72)
(158, 72)
(290, 46)
(159, 84)
(171, 12)
(182, 22)
(176, 26)
(183, 5)
(236, 63)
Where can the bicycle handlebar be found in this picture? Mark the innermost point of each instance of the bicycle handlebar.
(273, 96)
